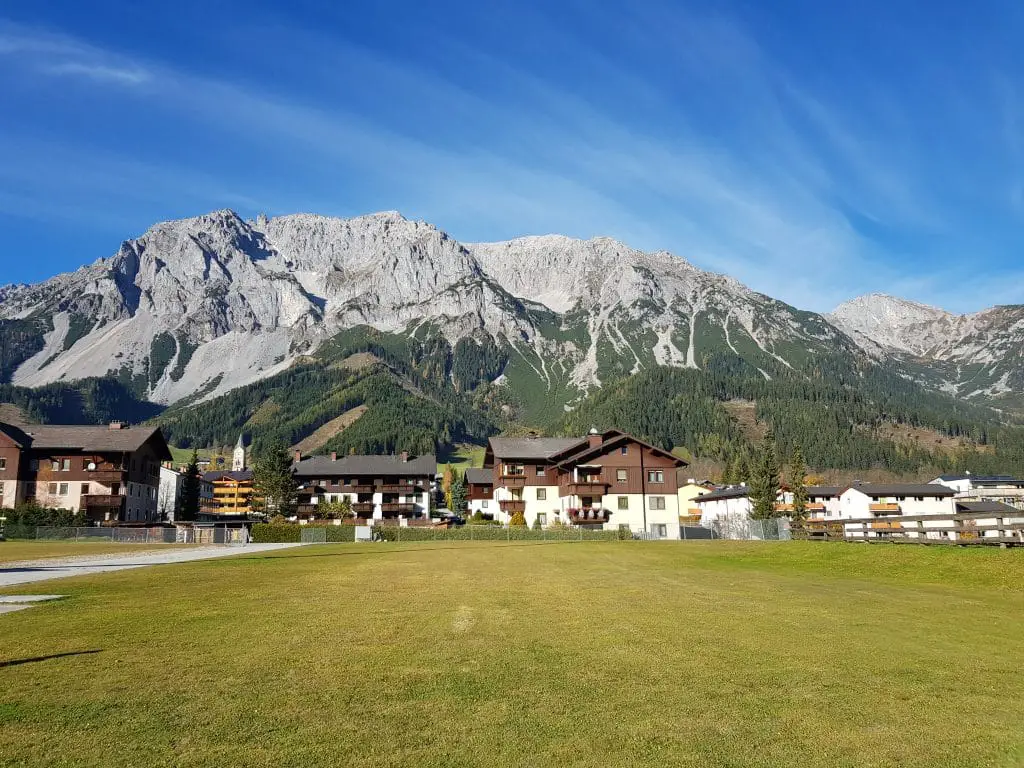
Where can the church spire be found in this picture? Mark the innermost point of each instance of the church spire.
(238, 456)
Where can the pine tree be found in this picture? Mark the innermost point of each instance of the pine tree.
(274, 486)
(191, 487)
(741, 470)
(457, 496)
(729, 472)
(764, 485)
(798, 483)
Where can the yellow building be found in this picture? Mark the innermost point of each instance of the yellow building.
(232, 491)
(687, 492)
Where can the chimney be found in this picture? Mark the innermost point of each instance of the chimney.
(404, 456)
(595, 438)
(334, 455)
(116, 425)
(298, 455)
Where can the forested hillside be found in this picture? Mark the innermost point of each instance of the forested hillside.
(836, 412)
(410, 389)
(87, 401)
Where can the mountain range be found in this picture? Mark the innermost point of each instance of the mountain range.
(197, 308)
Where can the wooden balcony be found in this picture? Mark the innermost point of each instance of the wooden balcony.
(107, 475)
(588, 515)
(360, 488)
(107, 500)
(511, 506)
(512, 481)
(363, 508)
(787, 509)
(589, 487)
(884, 509)
(397, 508)
(403, 488)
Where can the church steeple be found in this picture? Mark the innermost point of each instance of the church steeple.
(238, 457)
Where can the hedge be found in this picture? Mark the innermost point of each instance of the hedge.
(276, 533)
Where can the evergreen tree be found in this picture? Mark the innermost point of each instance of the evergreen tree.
(447, 480)
(764, 484)
(536, 524)
(191, 487)
(798, 483)
(728, 472)
(741, 470)
(457, 496)
(518, 519)
(274, 486)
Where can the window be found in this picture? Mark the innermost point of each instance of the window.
(85, 489)
(623, 502)
(62, 489)
(655, 476)
(657, 502)
(3, 463)
(621, 475)
(65, 465)
(483, 504)
(624, 450)
(542, 494)
(51, 489)
(542, 518)
(659, 530)
(55, 465)
(540, 471)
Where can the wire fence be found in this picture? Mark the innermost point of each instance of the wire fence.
(134, 535)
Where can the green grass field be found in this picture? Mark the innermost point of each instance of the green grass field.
(569, 654)
(12, 551)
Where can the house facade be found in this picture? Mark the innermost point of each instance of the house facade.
(103, 473)
(603, 480)
(380, 488)
(1003, 488)
(891, 499)
(480, 492)
(168, 495)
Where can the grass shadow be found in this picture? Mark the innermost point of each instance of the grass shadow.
(34, 659)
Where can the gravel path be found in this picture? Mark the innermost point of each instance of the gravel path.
(12, 574)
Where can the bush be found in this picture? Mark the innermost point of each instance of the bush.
(276, 533)
(31, 514)
(518, 520)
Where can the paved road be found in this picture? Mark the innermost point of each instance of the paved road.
(12, 574)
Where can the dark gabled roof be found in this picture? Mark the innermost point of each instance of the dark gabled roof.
(825, 490)
(951, 478)
(241, 476)
(534, 448)
(980, 478)
(16, 434)
(987, 506)
(380, 466)
(101, 439)
(610, 440)
(480, 477)
(901, 489)
(725, 493)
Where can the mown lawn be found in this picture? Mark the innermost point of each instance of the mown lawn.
(558, 654)
(12, 551)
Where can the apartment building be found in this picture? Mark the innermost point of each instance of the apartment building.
(232, 492)
(104, 473)
(604, 480)
(888, 499)
(1004, 488)
(384, 488)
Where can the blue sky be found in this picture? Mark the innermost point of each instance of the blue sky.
(815, 151)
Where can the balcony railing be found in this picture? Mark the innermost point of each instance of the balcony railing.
(401, 487)
(588, 515)
(107, 475)
(512, 481)
(102, 500)
(363, 507)
(588, 487)
(884, 509)
(397, 508)
(512, 505)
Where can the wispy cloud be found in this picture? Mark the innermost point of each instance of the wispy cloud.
(719, 150)
(101, 72)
